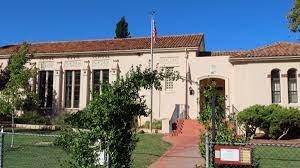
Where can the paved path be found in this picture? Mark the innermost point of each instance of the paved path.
(185, 150)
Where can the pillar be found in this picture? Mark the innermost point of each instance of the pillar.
(57, 88)
(85, 85)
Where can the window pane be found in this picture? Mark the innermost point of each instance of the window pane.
(42, 87)
(292, 86)
(100, 76)
(105, 74)
(292, 73)
(77, 89)
(96, 81)
(169, 81)
(275, 74)
(50, 89)
(68, 89)
(275, 86)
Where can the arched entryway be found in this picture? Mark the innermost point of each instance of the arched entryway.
(204, 83)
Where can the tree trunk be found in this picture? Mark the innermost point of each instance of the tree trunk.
(12, 128)
(284, 133)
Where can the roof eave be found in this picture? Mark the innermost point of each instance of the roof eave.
(263, 59)
(112, 52)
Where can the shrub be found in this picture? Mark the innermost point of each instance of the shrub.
(284, 122)
(146, 125)
(61, 118)
(252, 118)
(156, 124)
(276, 121)
(32, 118)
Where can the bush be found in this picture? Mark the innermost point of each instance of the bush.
(254, 117)
(32, 118)
(5, 117)
(284, 123)
(156, 124)
(61, 118)
(276, 121)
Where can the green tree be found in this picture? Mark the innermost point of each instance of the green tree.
(122, 29)
(17, 88)
(110, 118)
(294, 16)
(4, 78)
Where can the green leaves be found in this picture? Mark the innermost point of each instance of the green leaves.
(17, 89)
(294, 17)
(111, 117)
(273, 119)
(224, 131)
(205, 115)
(252, 118)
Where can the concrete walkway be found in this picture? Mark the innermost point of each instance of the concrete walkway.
(185, 150)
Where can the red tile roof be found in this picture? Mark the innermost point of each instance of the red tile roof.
(111, 44)
(273, 50)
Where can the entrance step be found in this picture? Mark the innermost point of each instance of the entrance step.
(186, 127)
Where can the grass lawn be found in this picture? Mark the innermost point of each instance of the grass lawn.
(269, 156)
(32, 152)
(39, 152)
(149, 149)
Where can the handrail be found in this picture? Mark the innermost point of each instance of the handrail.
(178, 113)
(235, 111)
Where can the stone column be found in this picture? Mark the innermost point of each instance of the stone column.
(85, 85)
(57, 88)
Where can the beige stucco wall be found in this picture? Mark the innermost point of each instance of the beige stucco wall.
(246, 84)
(211, 67)
(253, 86)
(164, 101)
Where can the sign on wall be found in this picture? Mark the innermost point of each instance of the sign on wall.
(232, 155)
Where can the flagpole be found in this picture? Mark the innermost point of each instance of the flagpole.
(151, 96)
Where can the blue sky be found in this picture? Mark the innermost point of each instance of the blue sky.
(227, 25)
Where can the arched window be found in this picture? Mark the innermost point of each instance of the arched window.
(275, 86)
(292, 86)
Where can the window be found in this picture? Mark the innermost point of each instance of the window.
(45, 89)
(275, 86)
(169, 81)
(292, 86)
(100, 76)
(72, 88)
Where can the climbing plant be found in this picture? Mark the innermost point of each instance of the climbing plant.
(109, 121)
(224, 128)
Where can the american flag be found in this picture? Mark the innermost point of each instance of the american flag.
(154, 31)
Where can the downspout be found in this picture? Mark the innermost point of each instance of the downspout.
(186, 84)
